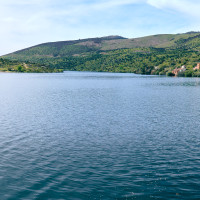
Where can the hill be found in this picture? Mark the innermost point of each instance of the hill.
(156, 54)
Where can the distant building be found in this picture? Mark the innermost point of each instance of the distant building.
(183, 68)
(175, 71)
(156, 67)
(179, 70)
(197, 67)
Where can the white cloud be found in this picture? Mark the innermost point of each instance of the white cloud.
(112, 3)
(187, 7)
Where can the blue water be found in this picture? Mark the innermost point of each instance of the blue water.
(84, 135)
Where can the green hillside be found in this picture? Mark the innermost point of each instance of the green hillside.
(157, 54)
(7, 65)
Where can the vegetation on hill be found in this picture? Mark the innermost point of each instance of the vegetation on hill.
(16, 66)
(158, 54)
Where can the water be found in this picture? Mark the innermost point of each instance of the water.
(82, 135)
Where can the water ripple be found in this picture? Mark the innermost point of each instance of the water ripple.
(99, 136)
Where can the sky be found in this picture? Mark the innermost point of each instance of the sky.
(25, 23)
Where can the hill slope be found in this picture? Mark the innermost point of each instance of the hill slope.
(157, 54)
(78, 47)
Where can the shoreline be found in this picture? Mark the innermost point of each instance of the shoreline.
(152, 75)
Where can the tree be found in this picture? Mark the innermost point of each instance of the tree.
(20, 68)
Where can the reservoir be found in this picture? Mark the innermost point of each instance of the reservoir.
(103, 136)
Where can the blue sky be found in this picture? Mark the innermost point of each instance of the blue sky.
(26, 23)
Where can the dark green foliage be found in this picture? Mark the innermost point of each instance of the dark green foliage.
(20, 68)
(188, 73)
(169, 73)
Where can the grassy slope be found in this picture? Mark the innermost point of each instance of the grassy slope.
(78, 47)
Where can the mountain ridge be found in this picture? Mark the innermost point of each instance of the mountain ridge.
(71, 42)
(70, 47)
